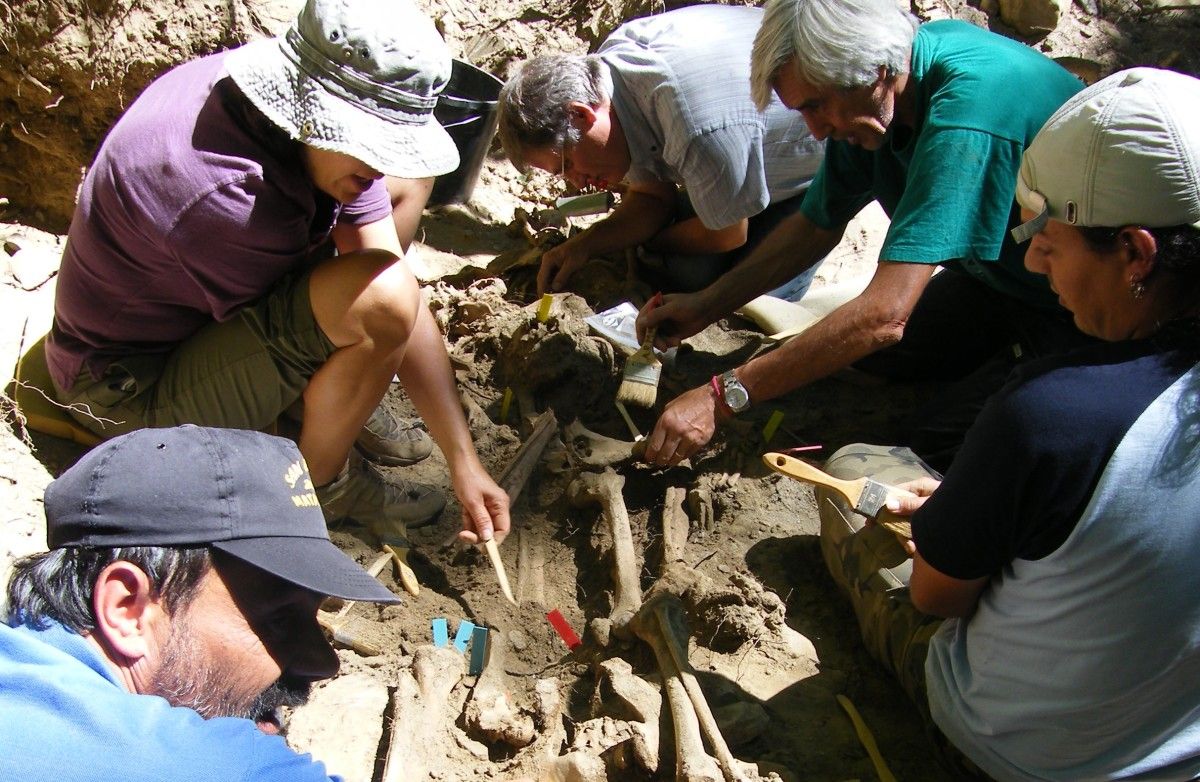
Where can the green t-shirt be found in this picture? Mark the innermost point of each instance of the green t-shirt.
(948, 183)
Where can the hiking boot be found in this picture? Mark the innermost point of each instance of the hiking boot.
(384, 505)
(395, 442)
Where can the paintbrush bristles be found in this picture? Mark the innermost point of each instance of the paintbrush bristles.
(639, 383)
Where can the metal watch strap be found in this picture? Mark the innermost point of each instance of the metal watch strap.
(730, 382)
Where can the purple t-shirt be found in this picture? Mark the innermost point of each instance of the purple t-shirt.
(195, 206)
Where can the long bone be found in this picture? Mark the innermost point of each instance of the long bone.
(604, 489)
(671, 628)
(629, 616)
(692, 763)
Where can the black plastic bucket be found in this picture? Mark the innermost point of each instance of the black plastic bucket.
(467, 110)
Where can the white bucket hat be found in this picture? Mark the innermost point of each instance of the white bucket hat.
(1125, 151)
(360, 77)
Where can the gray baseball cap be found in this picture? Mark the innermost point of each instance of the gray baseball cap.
(1124, 151)
(245, 493)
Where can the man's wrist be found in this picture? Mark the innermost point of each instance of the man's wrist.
(718, 392)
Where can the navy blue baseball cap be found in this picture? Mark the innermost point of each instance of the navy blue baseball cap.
(244, 493)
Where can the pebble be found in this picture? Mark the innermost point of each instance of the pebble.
(517, 640)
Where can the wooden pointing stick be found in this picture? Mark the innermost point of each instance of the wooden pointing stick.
(513, 481)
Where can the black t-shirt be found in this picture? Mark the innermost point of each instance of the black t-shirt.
(1029, 464)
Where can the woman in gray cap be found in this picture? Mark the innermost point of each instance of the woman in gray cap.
(192, 289)
(1062, 544)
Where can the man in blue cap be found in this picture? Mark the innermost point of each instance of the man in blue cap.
(175, 608)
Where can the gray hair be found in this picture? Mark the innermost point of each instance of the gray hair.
(57, 585)
(533, 106)
(836, 43)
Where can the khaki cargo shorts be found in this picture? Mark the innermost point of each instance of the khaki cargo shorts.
(240, 374)
(871, 568)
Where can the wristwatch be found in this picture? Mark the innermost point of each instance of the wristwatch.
(735, 395)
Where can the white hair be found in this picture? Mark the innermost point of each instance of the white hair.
(838, 43)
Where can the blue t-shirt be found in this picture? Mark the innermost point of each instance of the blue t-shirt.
(65, 717)
(948, 183)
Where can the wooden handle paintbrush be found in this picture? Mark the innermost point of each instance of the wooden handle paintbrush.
(865, 495)
(639, 383)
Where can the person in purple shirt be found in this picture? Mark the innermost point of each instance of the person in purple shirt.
(196, 288)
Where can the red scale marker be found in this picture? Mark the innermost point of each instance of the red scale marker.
(559, 623)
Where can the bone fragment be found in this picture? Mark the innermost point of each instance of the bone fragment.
(623, 695)
(517, 473)
(490, 715)
(342, 724)
(424, 704)
(594, 451)
(700, 507)
(531, 580)
(675, 526)
(574, 767)
(604, 489)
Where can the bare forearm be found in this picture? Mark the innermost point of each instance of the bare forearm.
(794, 245)
(427, 377)
(691, 237)
(836, 342)
(871, 321)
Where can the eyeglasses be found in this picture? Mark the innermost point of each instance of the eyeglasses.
(562, 161)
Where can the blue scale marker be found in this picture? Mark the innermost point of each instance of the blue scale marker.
(441, 634)
(479, 641)
(463, 636)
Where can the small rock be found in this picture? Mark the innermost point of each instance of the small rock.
(741, 722)
(1035, 18)
(517, 640)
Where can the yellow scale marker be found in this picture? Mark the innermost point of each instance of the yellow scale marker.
(867, 740)
(544, 308)
(504, 404)
(772, 424)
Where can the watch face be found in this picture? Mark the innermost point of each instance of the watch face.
(736, 397)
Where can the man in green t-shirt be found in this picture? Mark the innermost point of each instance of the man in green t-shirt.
(930, 120)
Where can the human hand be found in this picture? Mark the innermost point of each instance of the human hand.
(559, 263)
(919, 490)
(675, 317)
(484, 506)
(903, 505)
(686, 425)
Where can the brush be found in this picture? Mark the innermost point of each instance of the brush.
(639, 383)
(867, 496)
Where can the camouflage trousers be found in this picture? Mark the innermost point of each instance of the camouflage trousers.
(870, 566)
